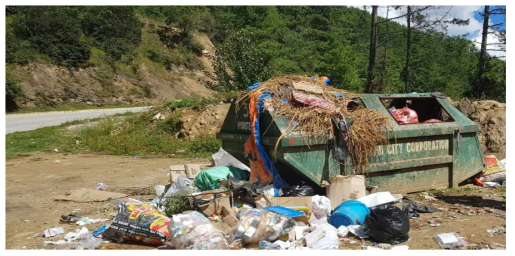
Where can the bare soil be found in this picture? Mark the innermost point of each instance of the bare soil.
(33, 181)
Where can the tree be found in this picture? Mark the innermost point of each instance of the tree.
(54, 31)
(245, 61)
(373, 45)
(115, 29)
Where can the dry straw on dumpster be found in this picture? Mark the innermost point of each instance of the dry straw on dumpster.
(310, 106)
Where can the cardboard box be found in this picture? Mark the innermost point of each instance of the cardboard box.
(285, 201)
(192, 170)
(229, 221)
(344, 188)
(176, 171)
(214, 204)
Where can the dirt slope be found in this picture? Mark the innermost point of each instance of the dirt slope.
(45, 84)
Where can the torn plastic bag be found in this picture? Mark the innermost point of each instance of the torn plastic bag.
(244, 190)
(321, 206)
(302, 189)
(257, 225)
(387, 224)
(223, 158)
(191, 230)
(406, 116)
(210, 179)
(414, 208)
(322, 237)
(138, 223)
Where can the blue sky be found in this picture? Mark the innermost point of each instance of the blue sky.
(494, 18)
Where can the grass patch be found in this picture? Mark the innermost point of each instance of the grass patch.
(134, 134)
(18, 144)
(453, 191)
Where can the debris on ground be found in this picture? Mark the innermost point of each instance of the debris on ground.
(85, 195)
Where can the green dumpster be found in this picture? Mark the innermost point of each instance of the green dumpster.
(418, 157)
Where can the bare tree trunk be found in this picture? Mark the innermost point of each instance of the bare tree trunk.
(372, 56)
(482, 56)
(408, 51)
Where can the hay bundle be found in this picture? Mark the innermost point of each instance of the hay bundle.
(366, 132)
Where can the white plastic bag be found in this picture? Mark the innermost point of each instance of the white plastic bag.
(321, 206)
(377, 199)
(328, 237)
(223, 158)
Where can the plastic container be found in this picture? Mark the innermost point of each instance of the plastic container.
(350, 212)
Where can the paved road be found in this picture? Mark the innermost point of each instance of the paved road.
(32, 121)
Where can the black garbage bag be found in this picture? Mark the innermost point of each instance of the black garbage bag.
(387, 224)
(301, 189)
(414, 208)
(243, 190)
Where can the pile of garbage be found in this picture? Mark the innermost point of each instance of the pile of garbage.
(494, 175)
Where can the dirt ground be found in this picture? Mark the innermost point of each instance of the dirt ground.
(33, 181)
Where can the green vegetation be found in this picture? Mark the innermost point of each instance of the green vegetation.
(453, 191)
(253, 42)
(126, 134)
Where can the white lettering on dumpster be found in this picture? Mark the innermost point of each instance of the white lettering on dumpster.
(411, 147)
(244, 126)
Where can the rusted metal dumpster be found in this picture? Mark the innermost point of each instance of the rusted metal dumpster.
(418, 157)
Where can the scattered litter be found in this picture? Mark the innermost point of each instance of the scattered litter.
(450, 240)
(100, 186)
(414, 208)
(100, 230)
(85, 195)
(358, 231)
(56, 150)
(51, 232)
(86, 220)
(496, 231)
(89, 242)
(430, 198)
(72, 236)
(400, 247)
(343, 231)
(57, 161)
(323, 237)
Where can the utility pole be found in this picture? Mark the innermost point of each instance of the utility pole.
(372, 55)
(408, 50)
(482, 56)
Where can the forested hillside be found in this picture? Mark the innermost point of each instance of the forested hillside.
(252, 44)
